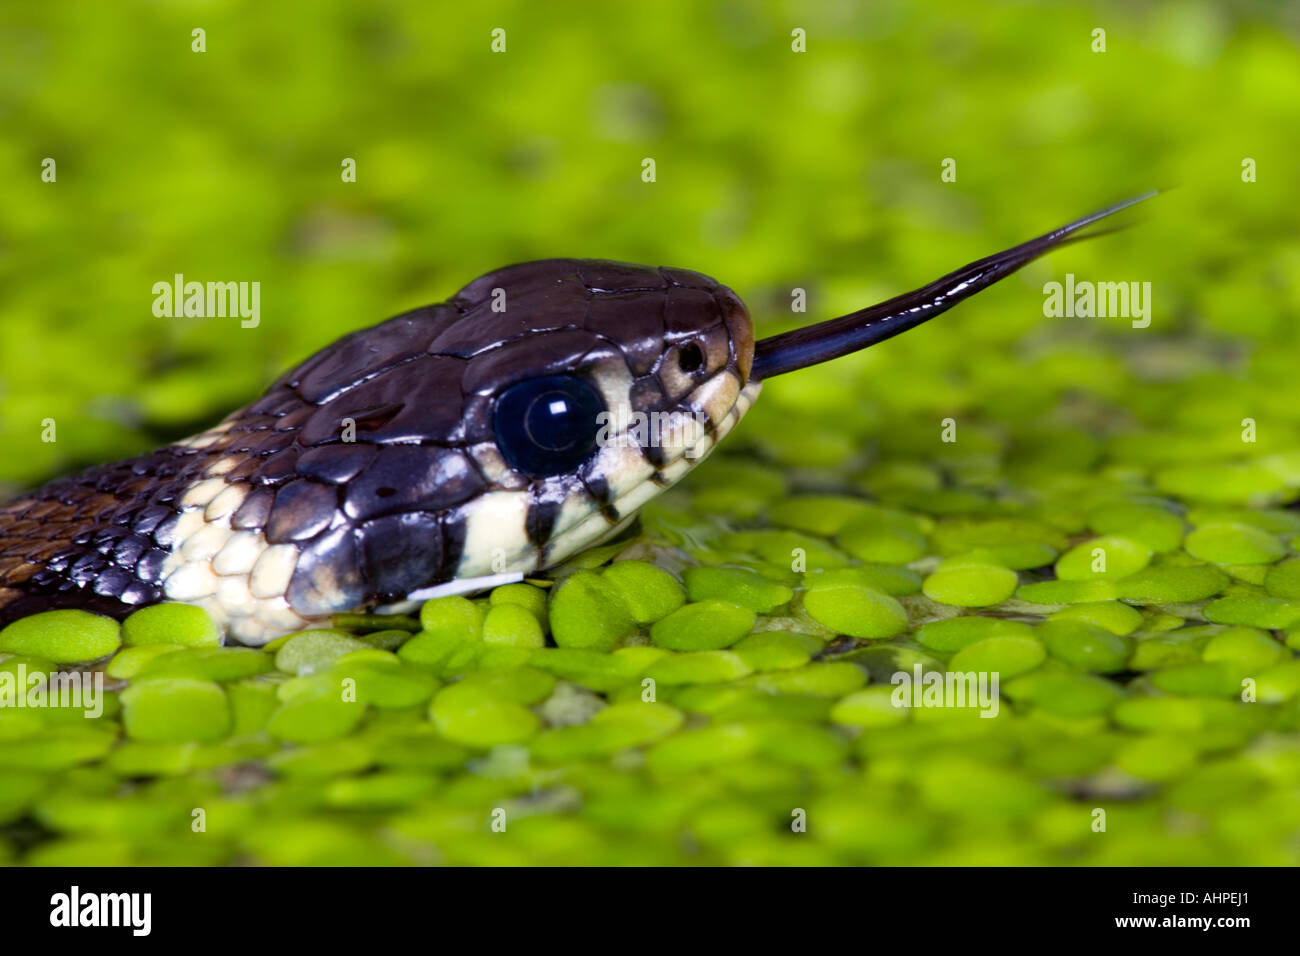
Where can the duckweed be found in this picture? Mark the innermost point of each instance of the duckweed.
(737, 586)
(1255, 611)
(251, 705)
(1229, 483)
(1159, 714)
(319, 712)
(1171, 585)
(451, 615)
(513, 625)
(1196, 680)
(175, 709)
(473, 716)
(309, 651)
(1007, 655)
(65, 637)
(827, 679)
(1282, 580)
(614, 728)
(869, 707)
(879, 577)
(649, 593)
(1018, 544)
(594, 669)
(699, 667)
(439, 651)
(1155, 526)
(523, 595)
(170, 624)
(783, 547)
(1280, 683)
(57, 748)
(970, 583)
(382, 681)
(1105, 557)
(954, 633)
(388, 640)
(883, 537)
(1230, 543)
(1068, 592)
(1247, 649)
(855, 610)
(207, 663)
(127, 662)
(588, 613)
(1085, 646)
(693, 750)
(1112, 615)
(702, 626)
(1065, 693)
(1157, 756)
(776, 650)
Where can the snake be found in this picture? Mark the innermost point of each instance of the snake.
(497, 433)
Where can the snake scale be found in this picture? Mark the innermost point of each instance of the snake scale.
(454, 441)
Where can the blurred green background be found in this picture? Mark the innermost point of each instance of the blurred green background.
(775, 170)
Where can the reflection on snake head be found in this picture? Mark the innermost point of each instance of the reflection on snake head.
(525, 419)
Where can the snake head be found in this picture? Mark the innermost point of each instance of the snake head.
(525, 419)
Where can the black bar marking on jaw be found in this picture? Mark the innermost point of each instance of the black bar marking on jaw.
(834, 338)
(539, 521)
(454, 529)
(598, 487)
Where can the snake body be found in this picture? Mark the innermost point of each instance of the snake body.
(495, 432)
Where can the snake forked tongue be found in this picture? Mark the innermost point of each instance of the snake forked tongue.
(858, 330)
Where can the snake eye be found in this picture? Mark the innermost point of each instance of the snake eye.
(547, 426)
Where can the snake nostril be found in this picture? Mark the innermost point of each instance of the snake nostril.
(385, 492)
(690, 358)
